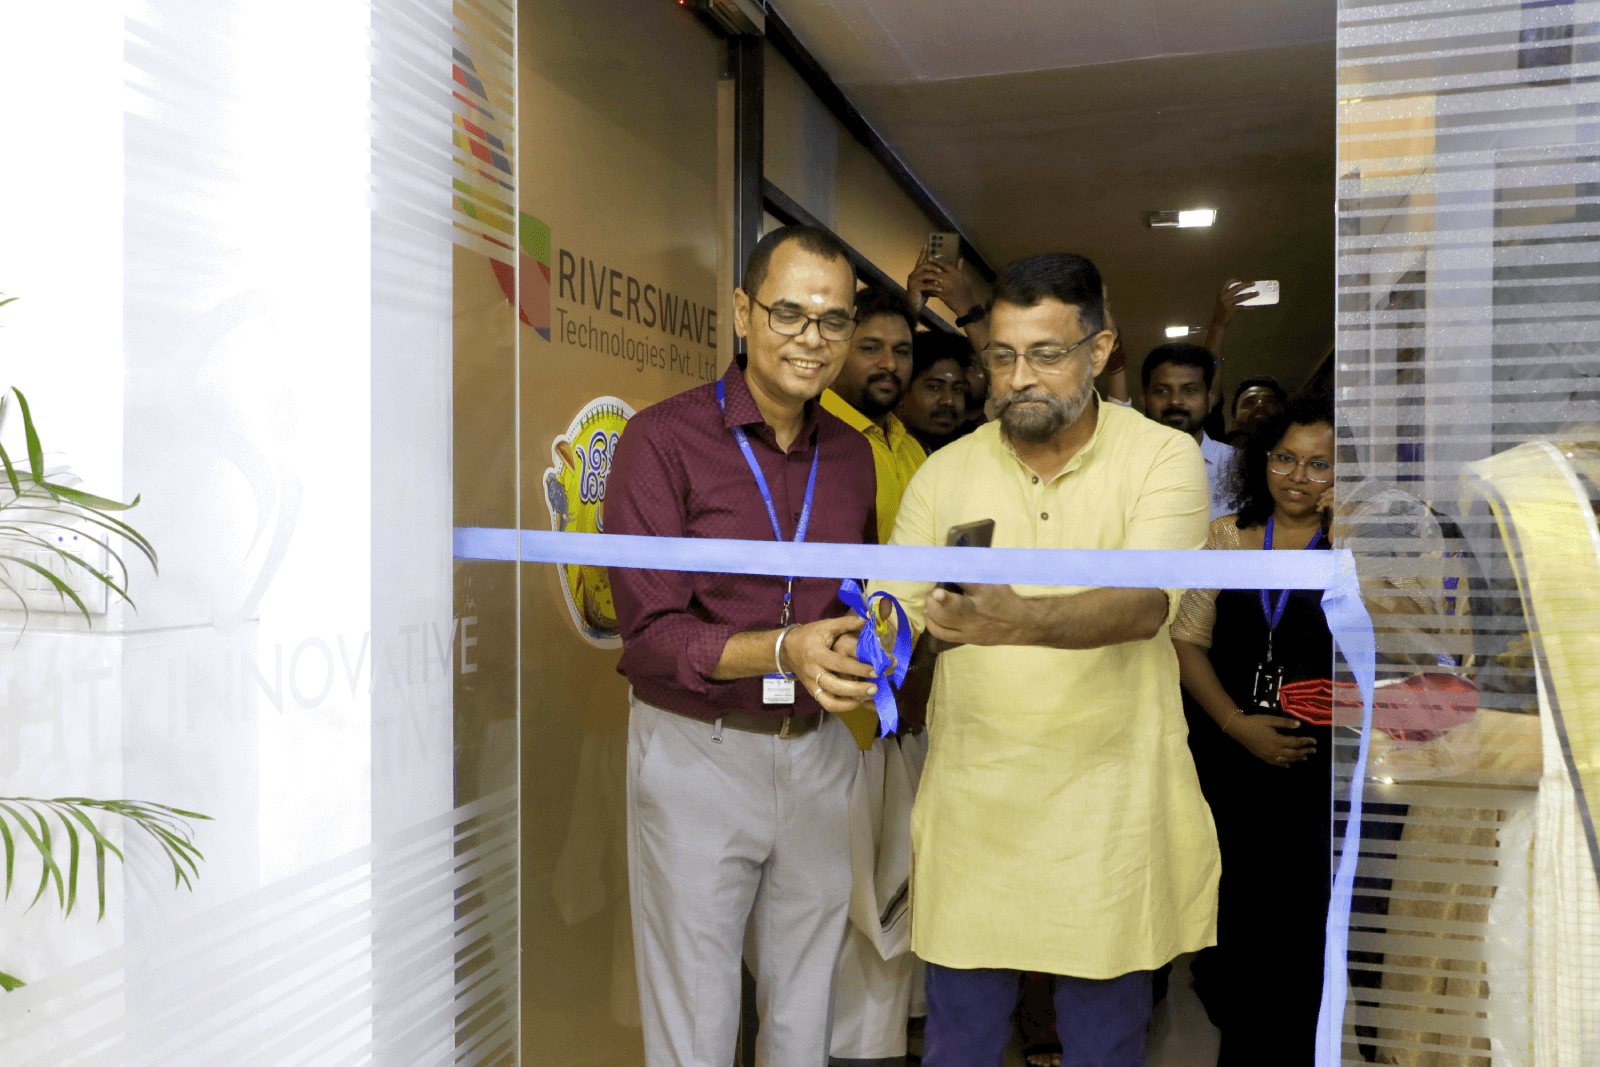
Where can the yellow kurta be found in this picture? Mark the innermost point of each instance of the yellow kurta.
(1059, 826)
(896, 455)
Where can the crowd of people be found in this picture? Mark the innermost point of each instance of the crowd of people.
(1107, 779)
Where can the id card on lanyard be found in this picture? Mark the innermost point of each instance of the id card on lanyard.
(1269, 675)
(776, 688)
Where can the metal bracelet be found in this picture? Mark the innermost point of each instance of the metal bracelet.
(777, 649)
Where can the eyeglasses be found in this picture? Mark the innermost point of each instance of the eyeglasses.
(1317, 470)
(1044, 359)
(791, 322)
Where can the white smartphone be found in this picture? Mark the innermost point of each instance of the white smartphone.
(945, 247)
(1266, 293)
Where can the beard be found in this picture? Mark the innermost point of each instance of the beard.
(874, 409)
(1181, 419)
(1035, 425)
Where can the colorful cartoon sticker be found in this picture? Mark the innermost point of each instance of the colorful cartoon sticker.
(575, 490)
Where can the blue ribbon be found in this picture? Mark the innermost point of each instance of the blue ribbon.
(869, 650)
(1333, 572)
(1351, 627)
(1116, 568)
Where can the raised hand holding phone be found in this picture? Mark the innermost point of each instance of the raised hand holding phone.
(941, 276)
(1260, 294)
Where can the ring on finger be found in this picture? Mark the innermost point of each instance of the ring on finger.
(819, 681)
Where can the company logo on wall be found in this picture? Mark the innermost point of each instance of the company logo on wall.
(592, 306)
(575, 490)
(533, 262)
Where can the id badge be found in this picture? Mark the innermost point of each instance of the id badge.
(776, 689)
(1269, 679)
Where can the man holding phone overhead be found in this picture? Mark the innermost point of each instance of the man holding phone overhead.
(1059, 826)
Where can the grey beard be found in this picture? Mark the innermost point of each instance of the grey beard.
(1035, 426)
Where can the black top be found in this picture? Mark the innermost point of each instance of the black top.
(1273, 825)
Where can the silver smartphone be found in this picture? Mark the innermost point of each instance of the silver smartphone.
(945, 247)
(1266, 293)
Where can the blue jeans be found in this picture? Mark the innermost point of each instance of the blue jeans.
(1101, 1022)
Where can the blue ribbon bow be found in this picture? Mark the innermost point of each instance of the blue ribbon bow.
(869, 650)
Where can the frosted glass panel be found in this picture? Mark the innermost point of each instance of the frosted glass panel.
(267, 207)
(1466, 295)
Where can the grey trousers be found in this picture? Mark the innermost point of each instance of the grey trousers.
(728, 829)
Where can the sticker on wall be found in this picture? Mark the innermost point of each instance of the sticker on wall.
(575, 490)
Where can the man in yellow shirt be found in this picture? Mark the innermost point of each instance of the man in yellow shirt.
(1059, 825)
(873, 379)
(872, 997)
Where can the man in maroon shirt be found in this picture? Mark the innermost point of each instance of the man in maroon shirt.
(738, 785)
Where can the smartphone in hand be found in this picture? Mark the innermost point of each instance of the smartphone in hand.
(1266, 293)
(945, 247)
(978, 534)
(918, 686)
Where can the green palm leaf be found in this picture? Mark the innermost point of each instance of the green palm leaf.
(164, 824)
(88, 500)
(35, 450)
(38, 504)
(11, 472)
(42, 504)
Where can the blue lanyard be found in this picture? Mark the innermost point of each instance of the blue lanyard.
(766, 494)
(1274, 611)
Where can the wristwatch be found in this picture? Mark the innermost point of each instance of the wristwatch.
(974, 314)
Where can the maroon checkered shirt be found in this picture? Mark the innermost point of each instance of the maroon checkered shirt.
(678, 472)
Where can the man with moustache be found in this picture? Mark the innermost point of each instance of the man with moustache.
(737, 783)
(935, 403)
(871, 382)
(1177, 393)
(872, 999)
(1059, 826)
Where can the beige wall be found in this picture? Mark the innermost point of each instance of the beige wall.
(619, 149)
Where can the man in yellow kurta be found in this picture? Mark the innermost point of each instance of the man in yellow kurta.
(1059, 826)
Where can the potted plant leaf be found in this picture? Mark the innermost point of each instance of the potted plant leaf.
(41, 522)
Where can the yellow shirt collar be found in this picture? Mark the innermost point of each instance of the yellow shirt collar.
(836, 405)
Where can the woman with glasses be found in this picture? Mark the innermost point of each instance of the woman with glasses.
(1265, 774)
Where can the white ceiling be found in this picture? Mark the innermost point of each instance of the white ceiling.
(897, 41)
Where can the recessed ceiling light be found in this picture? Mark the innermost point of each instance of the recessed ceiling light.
(1179, 331)
(1186, 219)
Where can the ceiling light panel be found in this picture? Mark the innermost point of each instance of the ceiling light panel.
(1160, 220)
